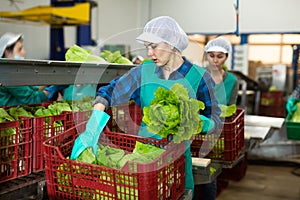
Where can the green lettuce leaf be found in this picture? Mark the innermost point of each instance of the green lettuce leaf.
(173, 112)
(227, 111)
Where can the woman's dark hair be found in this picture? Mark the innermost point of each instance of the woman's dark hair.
(10, 48)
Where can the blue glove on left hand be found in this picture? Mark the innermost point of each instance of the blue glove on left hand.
(207, 124)
(53, 89)
(90, 137)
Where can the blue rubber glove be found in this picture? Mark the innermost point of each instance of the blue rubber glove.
(291, 105)
(207, 124)
(53, 89)
(90, 137)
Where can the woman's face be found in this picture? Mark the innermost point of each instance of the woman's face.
(18, 51)
(160, 53)
(216, 60)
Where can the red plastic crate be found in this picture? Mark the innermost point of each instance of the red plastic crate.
(161, 179)
(74, 118)
(125, 118)
(15, 149)
(229, 145)
(46, 127)
(272, 104)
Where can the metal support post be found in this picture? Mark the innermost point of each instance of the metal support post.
(296, 49)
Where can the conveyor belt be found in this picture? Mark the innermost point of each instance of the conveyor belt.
(23, 187)
(47, 72)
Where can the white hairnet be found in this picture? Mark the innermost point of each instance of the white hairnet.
(219, 44)
(164, 29)
(8, 39)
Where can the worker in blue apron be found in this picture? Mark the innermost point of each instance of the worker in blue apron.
(150, 83)
(216, 53)
(164, 40)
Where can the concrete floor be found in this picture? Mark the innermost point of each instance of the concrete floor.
(265, 182)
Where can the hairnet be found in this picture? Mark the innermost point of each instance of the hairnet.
(8, 39)
(164, 29)
(137, 57)
(219, 44)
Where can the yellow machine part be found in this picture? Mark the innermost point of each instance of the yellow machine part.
(73, 15)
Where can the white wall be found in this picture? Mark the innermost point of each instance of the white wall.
(219, 16)
(198, 15)
(269, 16)
(118, 22)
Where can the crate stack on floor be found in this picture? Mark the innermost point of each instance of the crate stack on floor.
(22, 132)
(225, 149)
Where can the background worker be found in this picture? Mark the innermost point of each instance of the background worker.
(11, 47)
(137, 60)
(164, 40)
(226, 91)
(216, 53)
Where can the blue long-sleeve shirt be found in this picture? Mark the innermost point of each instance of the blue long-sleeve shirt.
(126, 87)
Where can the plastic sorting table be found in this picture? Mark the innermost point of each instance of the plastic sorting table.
(270, 142)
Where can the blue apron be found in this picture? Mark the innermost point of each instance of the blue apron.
(149, 84)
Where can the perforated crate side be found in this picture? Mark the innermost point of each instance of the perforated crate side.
(125, 118)
(154, 180)
(15, 149)
(44, 128)
(74, 118)
(228, 146)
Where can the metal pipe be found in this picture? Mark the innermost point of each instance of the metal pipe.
(236, 6)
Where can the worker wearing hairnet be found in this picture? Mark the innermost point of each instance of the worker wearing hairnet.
(11, 47)
(137, 60)
(226, 91)
(216, 52)
(164, 40)
(292, 100)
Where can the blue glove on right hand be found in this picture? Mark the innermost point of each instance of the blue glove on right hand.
(290, 105)
(54, 89)
(207, 124)
(90, 137)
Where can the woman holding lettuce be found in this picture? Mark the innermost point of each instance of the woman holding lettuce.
(164, 40)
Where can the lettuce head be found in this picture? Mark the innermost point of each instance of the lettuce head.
(173, 112)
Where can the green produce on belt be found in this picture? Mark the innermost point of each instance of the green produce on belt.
(79, 54)
(115, 57)
(58, 107)
(173, 112)
(15, 112)
(296, 115)
(83, 104)
(227, 111)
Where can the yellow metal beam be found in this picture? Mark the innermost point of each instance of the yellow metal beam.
(74, 15)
